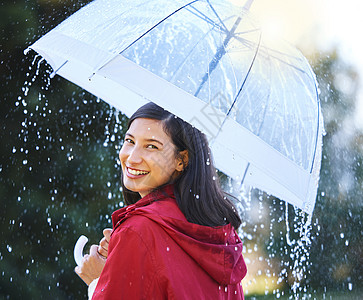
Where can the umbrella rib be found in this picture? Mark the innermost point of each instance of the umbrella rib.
(157, 24)
(146, 32)
(205, 18)
(318, 127)
(247, 43)
(244, 81)
(242, 85)
(267, 104)
(288, 64)
(56, 71)
(217, 57)
(245, 173)
(188, 54)
(220, 20)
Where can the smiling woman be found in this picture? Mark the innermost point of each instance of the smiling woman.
(148, 157)
(176, 238)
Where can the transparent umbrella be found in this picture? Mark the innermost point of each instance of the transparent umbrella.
(207, 62)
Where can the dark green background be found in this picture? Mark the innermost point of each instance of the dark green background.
(59, 176)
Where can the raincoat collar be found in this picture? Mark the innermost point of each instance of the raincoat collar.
(164, 192)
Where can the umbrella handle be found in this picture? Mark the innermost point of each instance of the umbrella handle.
(78, 249)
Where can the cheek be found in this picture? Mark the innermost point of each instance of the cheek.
(122, 154)
(163, 163)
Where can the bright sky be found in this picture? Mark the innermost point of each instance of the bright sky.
(326, 23)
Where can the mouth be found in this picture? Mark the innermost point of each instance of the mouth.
(134, 173)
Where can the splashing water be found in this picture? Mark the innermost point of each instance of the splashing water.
(298, 247)
(277, 241)
(67, 164)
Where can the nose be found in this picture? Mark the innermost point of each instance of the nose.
(132, 155)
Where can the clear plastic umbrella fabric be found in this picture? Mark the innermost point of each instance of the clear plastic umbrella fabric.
(210, 64)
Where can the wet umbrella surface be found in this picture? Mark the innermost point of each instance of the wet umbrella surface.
(208, 63)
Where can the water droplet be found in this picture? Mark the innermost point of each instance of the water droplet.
(167, 249)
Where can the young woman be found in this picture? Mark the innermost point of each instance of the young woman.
(176, 238)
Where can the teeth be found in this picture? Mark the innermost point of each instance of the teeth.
(135, 172)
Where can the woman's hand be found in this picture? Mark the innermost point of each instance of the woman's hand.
(103, 246)
(93, 263)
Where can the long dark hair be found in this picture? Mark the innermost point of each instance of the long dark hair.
(197, 189)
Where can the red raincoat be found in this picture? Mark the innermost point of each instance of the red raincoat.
(155, 253)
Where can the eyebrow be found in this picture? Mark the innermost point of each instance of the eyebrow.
(148, 140)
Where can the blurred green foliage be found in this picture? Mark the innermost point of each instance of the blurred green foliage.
(59, 176)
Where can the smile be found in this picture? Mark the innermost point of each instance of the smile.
(136, 172)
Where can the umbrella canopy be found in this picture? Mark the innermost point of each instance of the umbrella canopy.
(207, 62)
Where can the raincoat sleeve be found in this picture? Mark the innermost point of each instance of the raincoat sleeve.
(92, 287)
(130, 271)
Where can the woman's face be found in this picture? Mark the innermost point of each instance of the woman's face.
(148, 157)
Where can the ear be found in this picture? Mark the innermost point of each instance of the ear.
(183, 159)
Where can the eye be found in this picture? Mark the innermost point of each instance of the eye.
(128, 140)
(151, 146)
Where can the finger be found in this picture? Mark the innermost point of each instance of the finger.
(85, 258)
(95, 253)
(104, 244)
(93, 250)
(77, 270)
(102, 251)
(107, 233)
